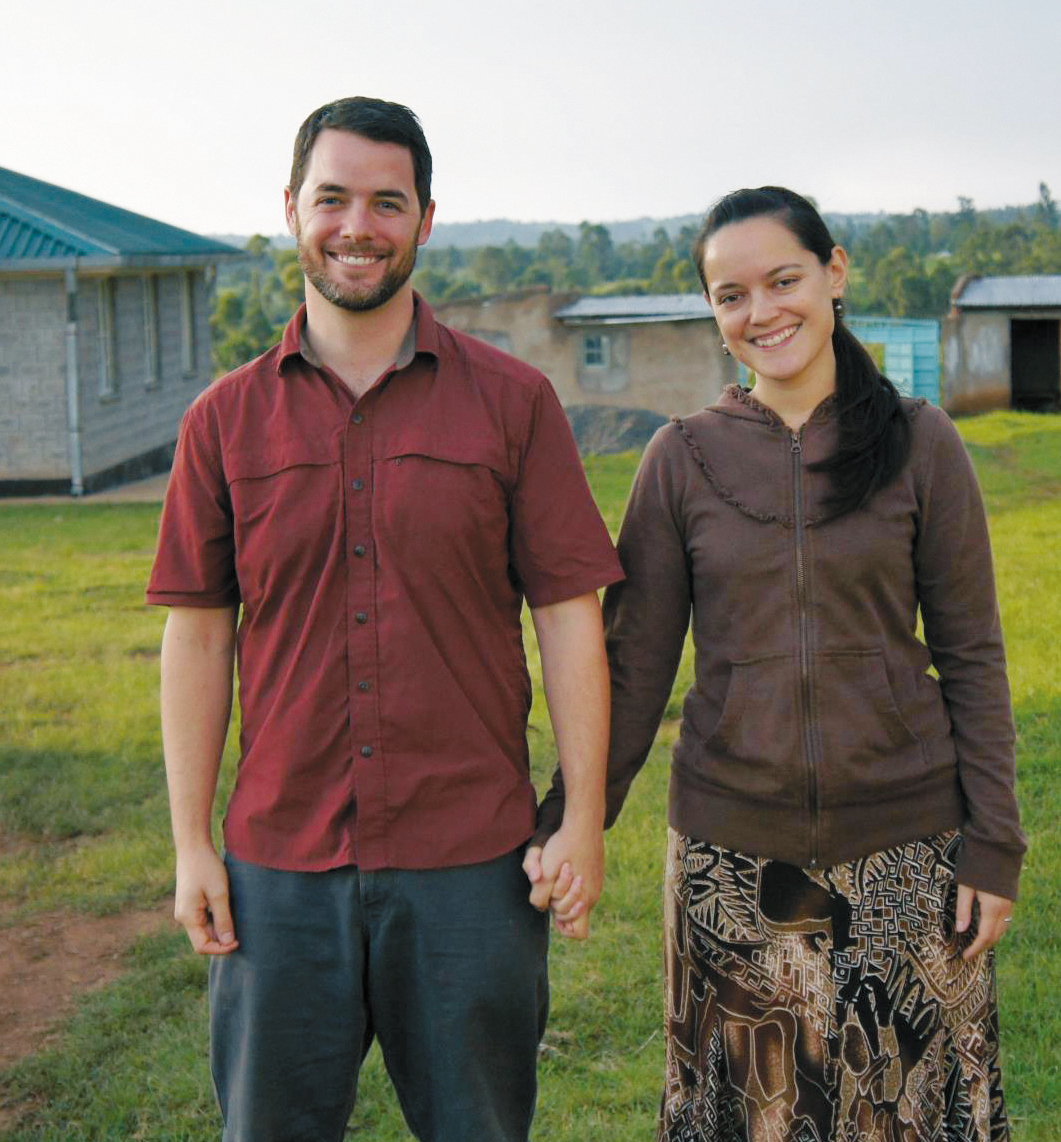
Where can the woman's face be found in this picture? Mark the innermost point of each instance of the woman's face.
(773, 300)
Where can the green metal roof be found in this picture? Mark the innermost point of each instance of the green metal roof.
(42, 224)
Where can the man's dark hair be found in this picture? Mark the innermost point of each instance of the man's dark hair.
(874, 430)
(375, 119)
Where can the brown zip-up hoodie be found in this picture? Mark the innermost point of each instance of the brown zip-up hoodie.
(813, 732)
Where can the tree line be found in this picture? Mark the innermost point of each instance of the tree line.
(903, 265)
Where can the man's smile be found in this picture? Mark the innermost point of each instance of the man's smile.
(356, 259)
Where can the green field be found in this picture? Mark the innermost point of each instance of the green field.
(84, 826)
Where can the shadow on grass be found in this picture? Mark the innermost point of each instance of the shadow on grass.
(51, 795)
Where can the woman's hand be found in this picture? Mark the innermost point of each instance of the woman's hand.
(995, 914)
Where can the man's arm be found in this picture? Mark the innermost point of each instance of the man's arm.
(198, 649)
(575, 674)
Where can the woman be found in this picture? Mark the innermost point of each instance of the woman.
(844, 843)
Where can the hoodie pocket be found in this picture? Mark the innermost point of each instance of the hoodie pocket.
(754, 749)
(867, 748)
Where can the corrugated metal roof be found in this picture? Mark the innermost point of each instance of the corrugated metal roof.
(635, 310)
(1040, 291)
(20, 238)
(39, 221)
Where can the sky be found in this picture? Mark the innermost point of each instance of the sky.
(548, 111)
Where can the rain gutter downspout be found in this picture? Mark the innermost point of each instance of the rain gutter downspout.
(73, 387)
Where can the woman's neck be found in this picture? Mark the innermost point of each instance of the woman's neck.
(794, 399)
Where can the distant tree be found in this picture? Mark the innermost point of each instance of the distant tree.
(251, 309)
(898, 286)
(228, 310)
(537, 274)
(966, 220)
(623, 287)
(662, 279)
(491, 268)
(258, 246)
(686, 279)
(672, 274)
(1046, 208)
(460, 288)
(555, 245)
(594, 253)
(432, 283)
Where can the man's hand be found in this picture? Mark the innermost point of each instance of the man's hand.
(202, 903)
(575, 677)
(198, 649)
(567, 876)
(995, 912)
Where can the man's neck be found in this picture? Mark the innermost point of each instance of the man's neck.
(357, 346)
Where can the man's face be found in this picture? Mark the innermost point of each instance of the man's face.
(357, 220)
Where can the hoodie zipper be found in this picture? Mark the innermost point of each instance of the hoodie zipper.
(804, 645)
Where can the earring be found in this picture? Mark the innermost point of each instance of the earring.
(725, 347)
(838, 307)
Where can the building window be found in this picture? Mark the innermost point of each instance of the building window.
(188, 364)
(152, 362)
(108, 355)
(595, 350)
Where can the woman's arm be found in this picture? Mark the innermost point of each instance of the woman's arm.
(956, 592)
(646, 617)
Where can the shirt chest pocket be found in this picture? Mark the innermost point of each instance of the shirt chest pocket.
(435, 495)
(286, 505)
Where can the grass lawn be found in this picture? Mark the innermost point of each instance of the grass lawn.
(84, 826)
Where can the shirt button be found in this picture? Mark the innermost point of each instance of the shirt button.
(364, 687)
(357, 485)
(359, 550)
(358, 418)
(366, 751)
(361, 617)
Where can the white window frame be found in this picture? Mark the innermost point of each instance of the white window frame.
(596, 350)
(152, 356)
(108, 348)
(189, 365)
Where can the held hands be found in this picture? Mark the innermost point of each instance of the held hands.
(202, 904)
(995, 913)
(566, 877)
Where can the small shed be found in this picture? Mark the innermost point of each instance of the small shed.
(1002, 344)
(906, 350)
(104, 337)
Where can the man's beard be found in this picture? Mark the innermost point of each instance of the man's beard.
(352, 298)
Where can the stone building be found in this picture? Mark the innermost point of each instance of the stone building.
(104, 337)
(1002, 344)
(660, 353)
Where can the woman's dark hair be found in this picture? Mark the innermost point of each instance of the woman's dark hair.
(874, 431)
(375, 119)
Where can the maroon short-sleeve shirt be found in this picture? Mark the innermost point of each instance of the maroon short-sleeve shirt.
(380, 549)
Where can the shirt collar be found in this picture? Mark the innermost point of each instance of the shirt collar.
(422, 337)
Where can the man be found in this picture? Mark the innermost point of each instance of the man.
(373, 499)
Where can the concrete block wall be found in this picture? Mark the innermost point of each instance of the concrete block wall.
(33, 427)
(140, 417)
(976, 362)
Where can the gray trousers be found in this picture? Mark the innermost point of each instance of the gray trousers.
(445, 967)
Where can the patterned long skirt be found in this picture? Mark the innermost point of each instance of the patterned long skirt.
(826, 1005)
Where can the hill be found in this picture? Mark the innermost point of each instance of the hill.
(498, 231)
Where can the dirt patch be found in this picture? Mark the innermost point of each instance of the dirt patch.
(49, 960)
